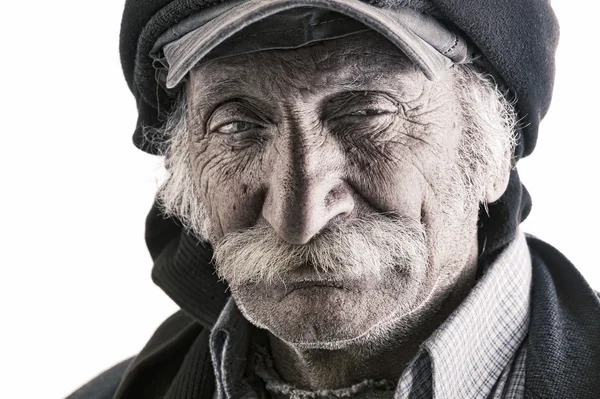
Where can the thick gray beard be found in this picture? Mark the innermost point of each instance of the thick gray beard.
(369, 246)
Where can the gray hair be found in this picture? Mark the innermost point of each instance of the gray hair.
(489, 135)
(179, 194)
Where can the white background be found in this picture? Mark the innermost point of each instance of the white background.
(76, 294)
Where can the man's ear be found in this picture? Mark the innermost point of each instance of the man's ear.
(497, 185)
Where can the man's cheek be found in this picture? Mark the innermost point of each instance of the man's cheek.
(234, 201)
(397, 188)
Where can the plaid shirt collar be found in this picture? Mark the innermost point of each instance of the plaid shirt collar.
(465, 357)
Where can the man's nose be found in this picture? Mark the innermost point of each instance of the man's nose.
(306, 192)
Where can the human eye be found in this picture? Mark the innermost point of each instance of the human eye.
(361, 106)
(236, 127)
(371, 112)
(235, 118)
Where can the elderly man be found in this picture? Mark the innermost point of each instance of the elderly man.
(345, 170)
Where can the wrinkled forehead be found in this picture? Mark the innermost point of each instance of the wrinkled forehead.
(360, 61)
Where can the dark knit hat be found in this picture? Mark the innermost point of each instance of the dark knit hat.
(517, 39)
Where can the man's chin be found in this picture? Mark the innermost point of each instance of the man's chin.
(317, 314)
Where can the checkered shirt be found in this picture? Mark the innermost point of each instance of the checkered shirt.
(478, 352)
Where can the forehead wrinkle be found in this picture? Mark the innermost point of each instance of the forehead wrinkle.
(214, 87)
(247, 74)
(222, 87)
(339, 64)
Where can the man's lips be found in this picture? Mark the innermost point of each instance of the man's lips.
(300, 284)
(307, 277)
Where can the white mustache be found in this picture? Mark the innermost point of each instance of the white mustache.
(364, 247)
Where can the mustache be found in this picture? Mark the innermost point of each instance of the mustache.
(367, 246)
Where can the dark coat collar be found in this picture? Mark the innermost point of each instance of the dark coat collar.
(563, 350)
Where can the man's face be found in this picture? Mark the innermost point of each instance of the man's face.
(331, 179)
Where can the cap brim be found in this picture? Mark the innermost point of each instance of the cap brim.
(187, 51)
